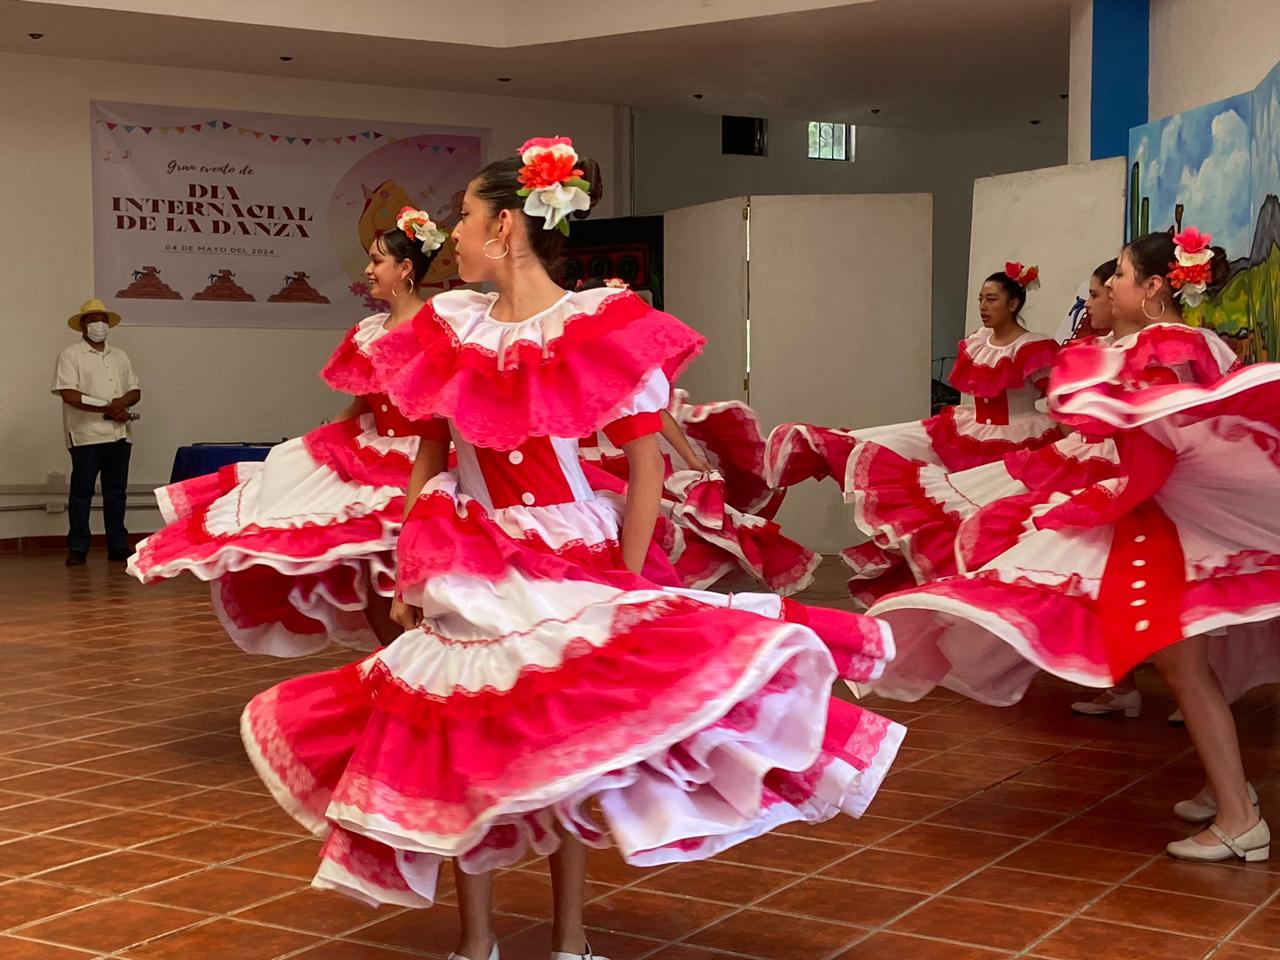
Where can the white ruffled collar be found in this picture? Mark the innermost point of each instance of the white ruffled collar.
(468, 314)
(369, 330)
(982, 351)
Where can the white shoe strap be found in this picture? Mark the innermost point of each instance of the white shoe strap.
(1227, 841)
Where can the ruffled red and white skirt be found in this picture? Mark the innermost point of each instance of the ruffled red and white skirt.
(941, 522)
(547, 684)
(1096, 583)
(897, 479)
(290, 546)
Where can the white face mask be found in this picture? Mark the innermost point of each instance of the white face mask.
(97, 330)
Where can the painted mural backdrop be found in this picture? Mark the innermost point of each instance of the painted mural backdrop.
(1217, 167)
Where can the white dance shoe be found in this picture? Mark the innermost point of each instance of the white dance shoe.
(1130, 704)
(557, 955)
(1203, 807)
(1252, 846)
(493, 954)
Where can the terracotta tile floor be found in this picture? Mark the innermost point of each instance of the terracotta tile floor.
(131, 825)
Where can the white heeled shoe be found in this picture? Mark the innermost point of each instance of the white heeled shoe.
(558, 955)
(1252, 846)
(1203, 807)
(493, 954)
(1130, 704)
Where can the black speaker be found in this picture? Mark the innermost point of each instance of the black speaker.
(744, 136)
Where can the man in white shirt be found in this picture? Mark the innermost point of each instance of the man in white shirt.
(98, 388)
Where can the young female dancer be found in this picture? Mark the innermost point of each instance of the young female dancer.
(1173, 555)
(542, 679)
(299, 550)
(1002, 365)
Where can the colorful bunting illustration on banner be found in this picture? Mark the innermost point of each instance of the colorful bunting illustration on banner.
(292, 140)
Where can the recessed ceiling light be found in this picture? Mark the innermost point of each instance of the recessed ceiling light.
(1064, 96)
(285, 59)
(875, 109)
(504, 79)
(1035, 123)
(36, 36)
(697, 96)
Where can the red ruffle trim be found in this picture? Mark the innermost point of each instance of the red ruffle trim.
(797, 452)
(1028, 364)
(891, 503)
(190, 541)
(957, 451)
(1047, 469)
(334, 445)
(349, 369)
(443, 536)
(1142, 375)
(1058, 627)
(569, 387)
(731, 433)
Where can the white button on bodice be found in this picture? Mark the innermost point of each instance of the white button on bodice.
(528, 499)
(516, 457)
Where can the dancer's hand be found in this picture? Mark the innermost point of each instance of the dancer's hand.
(406, 616)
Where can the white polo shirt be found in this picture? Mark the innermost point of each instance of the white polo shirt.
(100, 375)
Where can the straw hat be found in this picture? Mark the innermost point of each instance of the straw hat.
(92, 305)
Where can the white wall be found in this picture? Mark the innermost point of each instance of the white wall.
(1080, 86)
(678, 163)
(198, 384)
(1066, 220)
(1205, 50)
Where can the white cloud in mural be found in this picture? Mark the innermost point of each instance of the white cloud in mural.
(1221, 183)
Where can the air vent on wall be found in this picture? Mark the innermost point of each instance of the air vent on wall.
(744, 136)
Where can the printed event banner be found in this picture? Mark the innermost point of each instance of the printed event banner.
(225, 218)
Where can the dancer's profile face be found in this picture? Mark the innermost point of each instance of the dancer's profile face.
(1098, 306)
(383, 274)
(1129, 292)
(480, 238)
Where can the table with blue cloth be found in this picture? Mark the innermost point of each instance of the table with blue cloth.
(199, 459)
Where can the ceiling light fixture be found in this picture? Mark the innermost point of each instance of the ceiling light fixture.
(697, 96)
(504, 79)
(875, 109)
(1063, 96)
(1035, 123)
(36, 36)
(285, 59)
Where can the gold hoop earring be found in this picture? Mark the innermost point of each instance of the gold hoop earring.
(1149, 316)
(506, 249)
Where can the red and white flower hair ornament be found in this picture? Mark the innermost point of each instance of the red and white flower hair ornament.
(551, 183)
(1027, 277)
(1192, 269)
(419, 225)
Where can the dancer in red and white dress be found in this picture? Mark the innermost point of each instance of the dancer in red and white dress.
(1003, 366)
(1176, 557)
(299, 550)
(546, 697)
(926, 513)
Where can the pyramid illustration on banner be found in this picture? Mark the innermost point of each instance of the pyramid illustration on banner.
(297, 289)
(147, 285)
(223, 287)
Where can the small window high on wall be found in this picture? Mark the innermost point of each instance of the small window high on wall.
(831, 141)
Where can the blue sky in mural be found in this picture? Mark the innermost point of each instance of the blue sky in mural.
(1266, 140)
(1201, 159)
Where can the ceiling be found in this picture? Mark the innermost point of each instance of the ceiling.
(919, 63)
